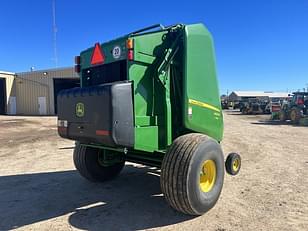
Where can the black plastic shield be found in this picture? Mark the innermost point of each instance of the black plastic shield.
(100, 114)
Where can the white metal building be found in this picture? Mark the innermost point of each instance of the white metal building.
(35, 92)
(242, 95)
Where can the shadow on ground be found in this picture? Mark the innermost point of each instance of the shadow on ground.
(269, 122)
(130, 202)
(276, 122)
(238, 113)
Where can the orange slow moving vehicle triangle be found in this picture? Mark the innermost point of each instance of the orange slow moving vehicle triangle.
(97, 56)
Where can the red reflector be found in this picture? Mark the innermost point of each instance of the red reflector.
(97, 56)
(102, 132)
(77, 68)
(130, 55)
(62, 129)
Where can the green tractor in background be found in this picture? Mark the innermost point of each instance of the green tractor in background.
(296, 108)
(151, 97)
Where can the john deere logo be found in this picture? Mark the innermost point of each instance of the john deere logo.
(80, 109)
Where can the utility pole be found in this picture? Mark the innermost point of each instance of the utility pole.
(54, 31)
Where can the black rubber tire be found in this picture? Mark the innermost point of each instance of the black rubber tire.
(282, 116)
(180, 173)
(231, 158)
(87, 164)
(295, 115)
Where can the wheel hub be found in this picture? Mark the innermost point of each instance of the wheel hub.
(207, 175)
(236, 165)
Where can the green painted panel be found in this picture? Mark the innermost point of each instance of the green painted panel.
(202, 110)
(143, 89)
(146, 138)
(146, 121)
(144, 58)
(149, 94)
(149, 44)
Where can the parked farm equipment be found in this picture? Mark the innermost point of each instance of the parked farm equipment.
(225, 104)
(151, 97)
(254, 106)
(275, 108)
(296, 108)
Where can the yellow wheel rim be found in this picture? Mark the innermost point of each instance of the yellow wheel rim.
(293, 115)
(236, 164)
(207, 175)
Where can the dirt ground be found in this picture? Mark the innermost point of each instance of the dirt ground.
(40, 189)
